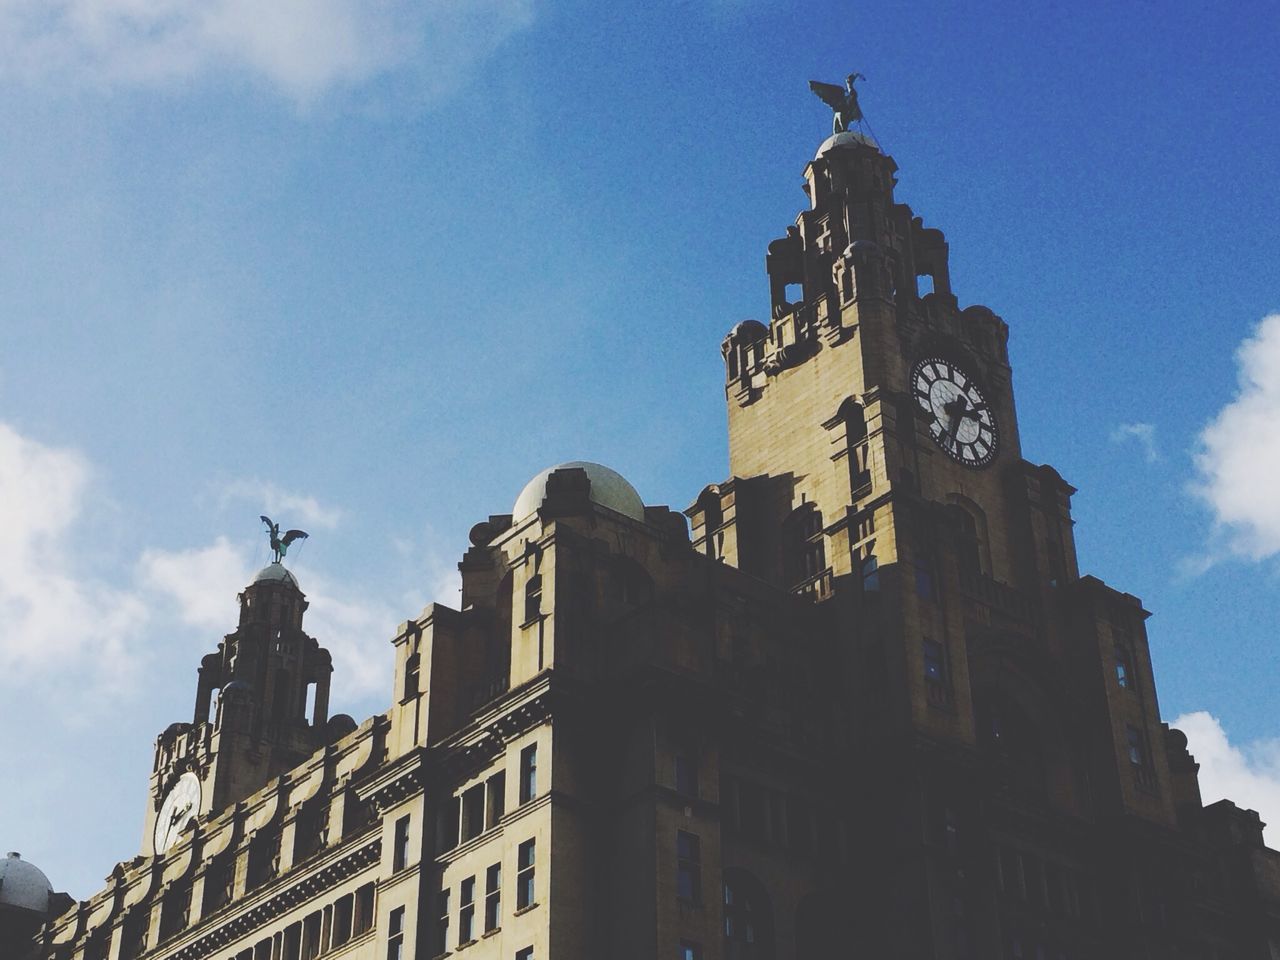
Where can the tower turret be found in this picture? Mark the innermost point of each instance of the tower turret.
(261, 707)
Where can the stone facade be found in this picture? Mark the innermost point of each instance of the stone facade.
(868, 708)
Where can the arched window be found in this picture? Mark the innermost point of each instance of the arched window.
(748, 918)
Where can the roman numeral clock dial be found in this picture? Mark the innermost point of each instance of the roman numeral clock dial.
(960, 421)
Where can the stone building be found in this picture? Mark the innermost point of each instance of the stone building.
(866, 707)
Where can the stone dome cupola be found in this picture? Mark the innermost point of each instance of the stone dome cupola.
(23, 885)
(608, 489)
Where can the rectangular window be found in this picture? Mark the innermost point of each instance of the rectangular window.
(1124, 673)
(870, 575)
(525, 954)
(690, 950)
(1137, 753)
(342, 911)
(528, 773)
(688, 867)
(364, 910)
(935, 672)
(533, 598)
(524, 875)
(467, 911)
(311, 936)
(496, 802)
(492, 897)
(447, 824)
(400, 852)
(473, 812)
(411, 670)
(686, 775)
(442, 922)
(395, 934)
(924, 582)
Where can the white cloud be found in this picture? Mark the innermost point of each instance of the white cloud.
(1238, 454)
(352, 620)
(57, 621)
(302, 48)
(202, 583)
(1248, 775)
(1145, 436)
(288, 509)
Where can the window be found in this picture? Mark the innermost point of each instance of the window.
(525, 954)
(311, 927)
(524, 875)
(497, 799)
(447, 824)
(533, 598)
(364, 910)
(342, 914)
(686, 775)
(528, 773)
(492, 897)
(411, 668)
(1137, 755)
(400, 852)
(264, 858)
(442, 922)
(688, 867)
(467, 911)
(290, 943)
(473, 812)
(395, 934)
(690, 950)
(1124, 672)
(870, 574)
(748, 923)
(807, 553)
(935, 671)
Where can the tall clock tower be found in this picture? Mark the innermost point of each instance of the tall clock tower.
(251, 721)
(877, 469)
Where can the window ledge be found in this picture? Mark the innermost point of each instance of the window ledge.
(490, 933)
(523, 910)
(462, 946)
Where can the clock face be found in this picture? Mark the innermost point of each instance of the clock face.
(960, 421)
(179, 808)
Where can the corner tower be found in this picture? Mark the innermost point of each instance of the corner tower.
(251, 719)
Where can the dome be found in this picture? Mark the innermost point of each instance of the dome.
(23, 884)
(846, 138)
(276, 572)
(608, 488)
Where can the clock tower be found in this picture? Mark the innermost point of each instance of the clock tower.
(251, 720)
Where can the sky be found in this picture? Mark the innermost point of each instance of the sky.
(368, 267)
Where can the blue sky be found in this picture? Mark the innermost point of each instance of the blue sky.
(370, 267)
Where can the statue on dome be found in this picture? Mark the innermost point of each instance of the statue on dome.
(279, 544)
(842, 100)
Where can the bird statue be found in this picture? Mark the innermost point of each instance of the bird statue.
(279, 544)
(843, 101)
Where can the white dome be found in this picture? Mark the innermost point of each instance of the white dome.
(276, 571)
(846, 138)
(608, 488)
(23, 885)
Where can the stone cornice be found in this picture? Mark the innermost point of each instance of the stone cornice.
(273, 905)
